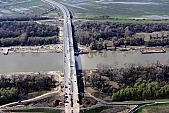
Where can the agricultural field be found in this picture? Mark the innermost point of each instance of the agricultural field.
(130, 9)
(9, 8)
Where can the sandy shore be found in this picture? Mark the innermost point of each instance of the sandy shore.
(57, 74)
(53, 48)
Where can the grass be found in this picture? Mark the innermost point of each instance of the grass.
(42, 110)
(97, 110)
(35, 94)
(35, 7)
(119, 10)
(52, 14)
(93, 9)
(134, 21)
(143, 101)
(155, 108)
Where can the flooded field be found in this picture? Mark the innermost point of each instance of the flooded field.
(20, 7)
(130, 3)
(119, 8)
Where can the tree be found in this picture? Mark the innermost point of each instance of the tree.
(105, 44)
(125, 42)
(23, 39)
(127, 32)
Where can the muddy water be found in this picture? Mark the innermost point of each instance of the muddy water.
(26, 62)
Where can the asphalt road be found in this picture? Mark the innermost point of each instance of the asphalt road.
(70, 78)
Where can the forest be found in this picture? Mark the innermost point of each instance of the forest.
(11, 88)
(97, 34)
(136, 82)
(27, 33)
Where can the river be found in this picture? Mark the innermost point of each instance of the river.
(28, 62)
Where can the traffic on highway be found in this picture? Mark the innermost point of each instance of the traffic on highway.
(70, 78)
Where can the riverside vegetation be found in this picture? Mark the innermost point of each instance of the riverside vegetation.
(17, 85)
(27, 33)
(135, 82)
(97, 34)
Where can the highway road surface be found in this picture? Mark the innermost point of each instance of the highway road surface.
(70, 78)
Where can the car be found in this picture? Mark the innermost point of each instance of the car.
(76, 53)
(19, 101)
(66, 102)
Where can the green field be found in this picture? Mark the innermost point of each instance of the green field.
(143, 101)
(155, 108)
(94, 10)
(97, 110)
(122, 9)
(39, 110)
(22, 7)
(133, 21)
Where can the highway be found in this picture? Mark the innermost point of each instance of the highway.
(70, 78)
(72, 71)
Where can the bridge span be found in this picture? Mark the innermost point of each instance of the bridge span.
(73, 83)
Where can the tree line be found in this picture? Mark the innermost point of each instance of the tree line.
(29, 17)
(18, 85)
(136, 82)
(142, 90)
(94, 34)
(27, 33)
(8, 95)
(143, 82)
(157, 42)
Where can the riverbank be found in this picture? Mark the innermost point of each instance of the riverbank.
(58, 48)
(53, 48)
(55, 75)
(54, 98)
(58, 73)
(50, 99)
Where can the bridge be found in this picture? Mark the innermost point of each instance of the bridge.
(73, 83)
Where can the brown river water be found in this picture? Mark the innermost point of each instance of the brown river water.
(30, 62)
